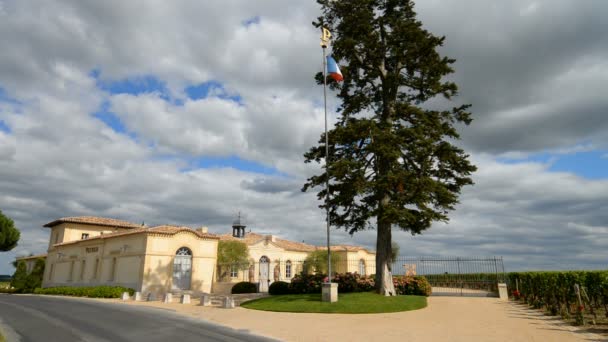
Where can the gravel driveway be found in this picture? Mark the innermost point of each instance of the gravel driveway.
(445, 319)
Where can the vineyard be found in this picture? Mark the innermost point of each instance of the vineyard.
(578, 295)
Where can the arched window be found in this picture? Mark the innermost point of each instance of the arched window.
(184, 251)
(182, 269)
(288, 269)
(362, 267)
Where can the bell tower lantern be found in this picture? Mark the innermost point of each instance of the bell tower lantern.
(238, 227)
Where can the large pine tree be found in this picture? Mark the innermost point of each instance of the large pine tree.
(393, 162)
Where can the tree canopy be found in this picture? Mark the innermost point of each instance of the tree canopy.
(316, 261)
(9, 235)
(393, 161)
(231, 254)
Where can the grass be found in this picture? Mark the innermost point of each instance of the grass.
(354, 303)
(2, 339)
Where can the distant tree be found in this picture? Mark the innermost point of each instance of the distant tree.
(394, 251)
(393, 161)
(317, 262)
(231, 254)
(20, 276)
(34, 279)
(9, 235)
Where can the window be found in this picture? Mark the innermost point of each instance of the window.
(82, 268)
(362, 267)
(95, 269)
(71, 276)
(56, 237)
(233, 271)
(288, 269)
(84, 236)
(113, 270)
(51, 272)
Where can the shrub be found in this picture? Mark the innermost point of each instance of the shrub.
(93, 291)
(412, 285)
(353, 282)
(20, 275)
(279, 288)
(244, 287)
(307, 283)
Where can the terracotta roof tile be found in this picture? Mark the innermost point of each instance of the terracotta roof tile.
(165, 229)
(28, 257)
(253, 238)
(93, 220)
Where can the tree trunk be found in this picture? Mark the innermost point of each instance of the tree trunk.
(384, 276)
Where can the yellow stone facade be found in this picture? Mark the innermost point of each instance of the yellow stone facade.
(122, 254)
(92, 251)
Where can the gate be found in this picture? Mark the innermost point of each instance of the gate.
(471, 277)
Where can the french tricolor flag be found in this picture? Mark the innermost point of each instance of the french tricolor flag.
(333, 70)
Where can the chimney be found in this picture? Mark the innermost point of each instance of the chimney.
(203, 229)
(271, 238)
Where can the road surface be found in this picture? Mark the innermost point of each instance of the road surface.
(27, 318)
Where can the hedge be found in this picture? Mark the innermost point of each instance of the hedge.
(279, 288)
(353, 282)
(93, 291)
(244, 287)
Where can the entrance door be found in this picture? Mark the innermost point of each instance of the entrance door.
(182, 269)
(264, 272)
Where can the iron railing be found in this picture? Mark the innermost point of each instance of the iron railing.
(447, 276)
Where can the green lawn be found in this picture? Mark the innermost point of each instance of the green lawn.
(362, 302)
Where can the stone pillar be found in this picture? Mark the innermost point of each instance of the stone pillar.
(168, 298)
(205, 300)
(137, 295)
(185, 299)
(502, 292)
(228, 303)
(329, 292)
(125, 296)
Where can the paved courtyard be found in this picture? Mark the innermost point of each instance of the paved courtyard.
(445, 319)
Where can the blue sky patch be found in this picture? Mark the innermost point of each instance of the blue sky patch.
(252, 21)
(5, 98)
(210, 88)
(112, 120)
(589, 164)
(137, 85)
(230, 162)
(4, 127)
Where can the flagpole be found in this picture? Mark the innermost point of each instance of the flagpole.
(324, 46)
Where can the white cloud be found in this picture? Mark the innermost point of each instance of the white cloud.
(535, 82)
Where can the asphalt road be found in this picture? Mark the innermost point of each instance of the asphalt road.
(41, 318)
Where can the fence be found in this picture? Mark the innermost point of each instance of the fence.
(447, 276)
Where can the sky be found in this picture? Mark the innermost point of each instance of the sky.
(187, 112)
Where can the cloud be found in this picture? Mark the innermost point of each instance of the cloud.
(238, 85)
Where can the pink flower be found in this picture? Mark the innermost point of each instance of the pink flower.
(326, 279)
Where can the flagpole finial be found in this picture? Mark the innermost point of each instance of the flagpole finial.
(325, 37)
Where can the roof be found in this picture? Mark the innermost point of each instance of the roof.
(28, 257)
(93, 220)
(347, 248)
(253, 238)
(163, 230)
